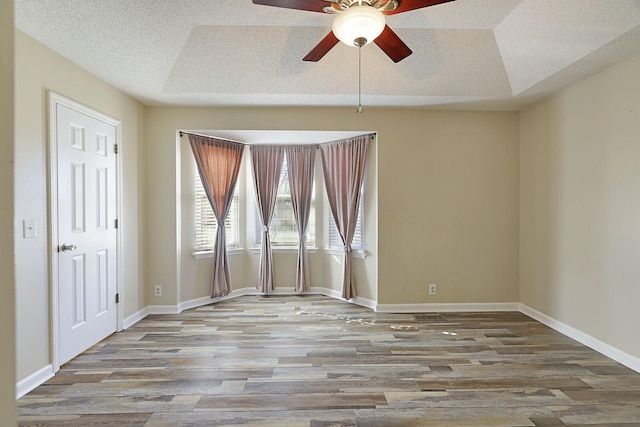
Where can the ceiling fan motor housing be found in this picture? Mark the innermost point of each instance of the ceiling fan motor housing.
(342, 5)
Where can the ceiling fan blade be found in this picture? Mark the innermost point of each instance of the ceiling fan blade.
(310, 5)
(407, 5)
(321, 49)
(391, 44)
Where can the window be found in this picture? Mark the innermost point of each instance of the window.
(207, 225)
(283, 230)
(358, 236)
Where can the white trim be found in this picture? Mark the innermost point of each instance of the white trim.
(284, 250)
(120, 229)
(209, 254)
(364, 302)
(52, 188)
(34, 380)
(195, 303)
(249, 290)
(614, 353)
(333, 293)
(135, 318)
(256, 251)
(163, 309)
(337, 294)
(447, 307)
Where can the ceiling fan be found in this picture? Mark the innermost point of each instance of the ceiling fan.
(357, 23)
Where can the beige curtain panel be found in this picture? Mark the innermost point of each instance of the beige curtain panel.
(218, 164)
(301, 161)
(343, 164)
(267, 165)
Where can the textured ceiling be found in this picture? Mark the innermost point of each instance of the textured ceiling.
(485, 54)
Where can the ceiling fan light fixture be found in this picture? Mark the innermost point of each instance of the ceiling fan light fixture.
(358, 23)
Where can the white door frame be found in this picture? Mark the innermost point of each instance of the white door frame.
(54, 101)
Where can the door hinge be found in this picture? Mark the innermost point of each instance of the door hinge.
(117, 298)
(115, 148)
(116, 223)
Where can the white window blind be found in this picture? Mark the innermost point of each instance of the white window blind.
(207, 225)
(358, 236)
(283, 230)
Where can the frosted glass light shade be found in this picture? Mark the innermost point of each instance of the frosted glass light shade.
(358, 22)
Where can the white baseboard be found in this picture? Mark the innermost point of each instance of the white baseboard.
(614, 353)
(163, 309)
(337, 294)
(199, 302)
(135, 318)
(34, 380)
(445, 307)
(318, 290)
(328, 292)
(194, 303)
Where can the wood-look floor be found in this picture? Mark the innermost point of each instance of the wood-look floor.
(315, 361)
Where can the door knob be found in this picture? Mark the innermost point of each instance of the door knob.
(66, 247)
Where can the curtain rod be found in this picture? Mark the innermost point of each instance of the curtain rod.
(183, 133)
(371, 135)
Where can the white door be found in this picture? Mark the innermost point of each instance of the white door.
(86, 231)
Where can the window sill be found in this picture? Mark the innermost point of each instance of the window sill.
(209, 254)
(285, 250)
(356, 253)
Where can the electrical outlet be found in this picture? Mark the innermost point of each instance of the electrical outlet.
(158, 291)
(432, 289)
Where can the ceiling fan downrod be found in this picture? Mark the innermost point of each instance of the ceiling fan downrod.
(359, 109)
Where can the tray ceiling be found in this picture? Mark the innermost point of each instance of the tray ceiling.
(479, 54)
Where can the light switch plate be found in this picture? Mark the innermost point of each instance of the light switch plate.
(30, 228)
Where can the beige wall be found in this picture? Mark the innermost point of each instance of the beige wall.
(580, 207)
(448, 206)
(7, 284)
(39, 70)
(446, 187)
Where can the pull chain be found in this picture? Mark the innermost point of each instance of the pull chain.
(359, 109)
